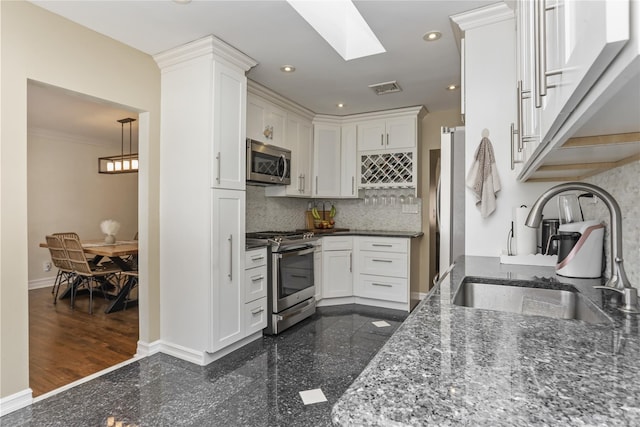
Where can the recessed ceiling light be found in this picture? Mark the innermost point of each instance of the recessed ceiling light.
(452, 87)
(182, 1)
(340, 23)
(287, 68)
(432, 36)
(340, 105)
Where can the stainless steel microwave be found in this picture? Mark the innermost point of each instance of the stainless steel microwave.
(268, 164)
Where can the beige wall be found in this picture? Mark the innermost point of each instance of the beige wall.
(65, 192)
(41, 46)
(431, 125)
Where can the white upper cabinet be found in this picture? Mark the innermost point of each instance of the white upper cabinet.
(389, 134)
(229, 110)
(577, 41)
(265, 121)
(326, 160)
(349, 162)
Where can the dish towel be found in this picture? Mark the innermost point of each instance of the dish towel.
(483, 179)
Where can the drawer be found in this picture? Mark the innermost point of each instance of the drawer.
(379, 244)
(383, 264)
(255, 313)
(337, 243)
(255, 283)
(382, 288)
(255, 258)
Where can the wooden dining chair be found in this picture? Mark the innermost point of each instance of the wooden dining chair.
(131, 281)
(60, 260)
(90, 276)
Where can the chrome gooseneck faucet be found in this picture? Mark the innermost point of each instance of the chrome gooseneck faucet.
(618, 280)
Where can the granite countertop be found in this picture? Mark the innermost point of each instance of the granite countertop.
(451, 365)
(376, 233)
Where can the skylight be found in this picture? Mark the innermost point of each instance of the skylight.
(341, 25)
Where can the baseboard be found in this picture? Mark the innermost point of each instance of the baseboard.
(327, 302)
(418, 295)
(203, 358)
(45, 282)
(403, 306)
(16, 401)
(145, 349)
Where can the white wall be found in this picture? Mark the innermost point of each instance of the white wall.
(490, 103)
(65, 192)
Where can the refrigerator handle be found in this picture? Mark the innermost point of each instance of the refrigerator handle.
(438, 203)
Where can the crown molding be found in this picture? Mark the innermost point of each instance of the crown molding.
(264, 92)
(209, 45)
(480, 17)
(419, 111)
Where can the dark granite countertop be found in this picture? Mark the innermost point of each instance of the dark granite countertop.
(451, 365)
(376, 233)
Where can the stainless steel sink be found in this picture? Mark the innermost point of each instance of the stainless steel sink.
(555, 303)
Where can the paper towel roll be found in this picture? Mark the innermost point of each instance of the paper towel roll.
(525, 237)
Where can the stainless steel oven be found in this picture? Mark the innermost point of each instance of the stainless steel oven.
(268, 164)
(291, 286)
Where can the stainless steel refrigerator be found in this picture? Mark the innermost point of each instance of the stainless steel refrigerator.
(450, 197)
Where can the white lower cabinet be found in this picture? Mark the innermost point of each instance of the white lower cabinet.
(366, 270)
(383, 269)
(337, 267)
(255, 291)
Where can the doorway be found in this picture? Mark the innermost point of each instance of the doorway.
(67, 133)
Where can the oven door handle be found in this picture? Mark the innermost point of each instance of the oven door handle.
(296, 253)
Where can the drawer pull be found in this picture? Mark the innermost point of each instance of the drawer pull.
(256, 278)
(257, 258)
(386, 285)
(382, 260)
(299, 276)
(380, 245)
(257, 311)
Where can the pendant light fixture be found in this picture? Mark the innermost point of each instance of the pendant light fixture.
(122, 163)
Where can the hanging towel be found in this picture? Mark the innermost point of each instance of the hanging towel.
(483, 178)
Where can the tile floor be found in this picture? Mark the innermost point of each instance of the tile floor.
(258, 385)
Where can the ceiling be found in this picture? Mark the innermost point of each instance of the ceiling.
(273, 34)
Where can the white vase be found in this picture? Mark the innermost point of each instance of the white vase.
(110, 239)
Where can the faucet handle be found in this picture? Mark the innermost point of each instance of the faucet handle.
(629, 296)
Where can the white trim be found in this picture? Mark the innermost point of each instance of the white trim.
(418, 295)
(45, 282)
(419, 111)
(267, 94)
(403, 306)
(327, 302)
(203, 358)
(16, 401)
(86, 379)
(147, 349)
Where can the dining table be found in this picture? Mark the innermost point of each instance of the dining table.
(117, 253)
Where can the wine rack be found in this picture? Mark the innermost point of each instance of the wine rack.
(388, 170)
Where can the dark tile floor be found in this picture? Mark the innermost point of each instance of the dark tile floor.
(257, 385)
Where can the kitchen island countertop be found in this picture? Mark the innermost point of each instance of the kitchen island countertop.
(451, 365)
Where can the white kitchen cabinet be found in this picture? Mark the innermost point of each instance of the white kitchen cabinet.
(326, 160)
(578, 40)
(202, 224)
(337, 267)
(265, 121)
(229, 112)
(299, 139)
(348, 161)
(317, 270)
(387, 134)
(255, 291)
(383, 271)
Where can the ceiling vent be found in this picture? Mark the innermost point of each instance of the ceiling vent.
(387, 87)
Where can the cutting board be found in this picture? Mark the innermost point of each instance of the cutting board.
(309, 218)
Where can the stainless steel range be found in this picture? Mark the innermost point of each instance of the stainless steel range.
(291, 276)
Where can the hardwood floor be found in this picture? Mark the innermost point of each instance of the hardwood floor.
(66, 345)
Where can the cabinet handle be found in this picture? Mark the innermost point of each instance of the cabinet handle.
(353, 185)
(218, 171)
(304, 183)
(387, 139)
(386, 285)
(299, 276)
(316, 185)
(382, 245)
(257, 258)
(350, 262)
(257, 311)
(513, 132)
(382, 139)
(230, 257)
(382, 260)
(540, 47)
(256, 278)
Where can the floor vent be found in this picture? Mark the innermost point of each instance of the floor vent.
(386, 87)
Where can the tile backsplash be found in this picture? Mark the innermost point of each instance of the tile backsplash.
(287, 213)
(623, 183)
